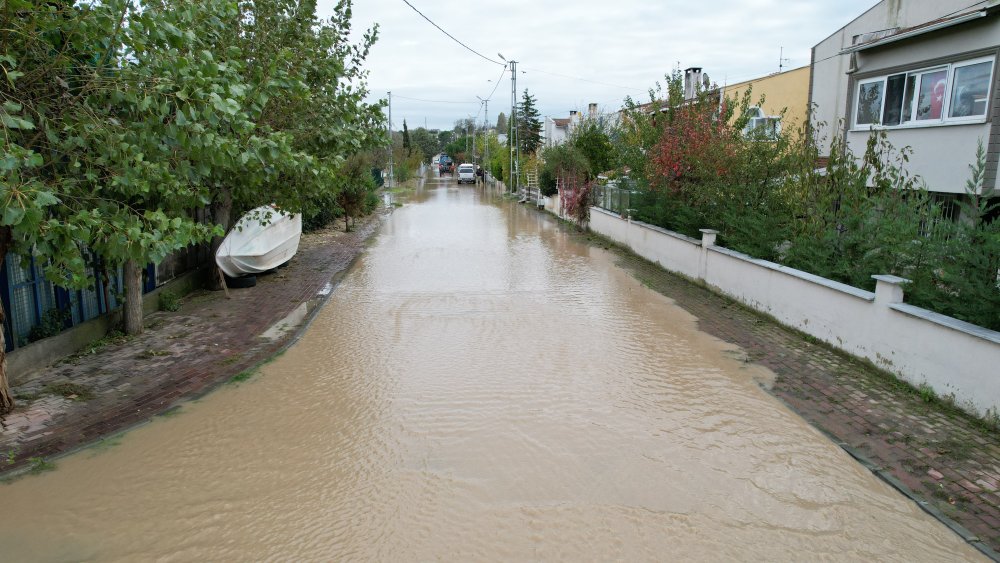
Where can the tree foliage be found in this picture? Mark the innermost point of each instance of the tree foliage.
(121, 118)
(529, 126)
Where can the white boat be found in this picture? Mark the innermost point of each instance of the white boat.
(252, 247)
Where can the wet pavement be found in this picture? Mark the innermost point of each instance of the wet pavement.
(484, 385)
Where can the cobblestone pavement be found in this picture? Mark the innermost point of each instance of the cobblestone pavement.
(949, 463)
(181, 355)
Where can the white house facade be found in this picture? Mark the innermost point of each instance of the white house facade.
(925, 72)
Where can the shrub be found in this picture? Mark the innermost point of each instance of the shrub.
(53, 322)
(168, 301)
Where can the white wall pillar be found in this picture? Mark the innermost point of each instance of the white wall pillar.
(889, 289)
(708, 237)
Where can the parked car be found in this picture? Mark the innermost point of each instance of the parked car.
(446, 165)
(466, 173)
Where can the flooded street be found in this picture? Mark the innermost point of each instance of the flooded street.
(480, 386)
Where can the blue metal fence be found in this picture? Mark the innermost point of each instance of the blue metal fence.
(27, 297)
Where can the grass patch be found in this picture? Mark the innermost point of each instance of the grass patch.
(956, 449)
(242, 376)
(11, 456)
(26, 397)
(171, 412)
(926, 393)
(115, 337)
(230, 360)
(37, 465)
(105, 444)
(150, 353)
(69, 390)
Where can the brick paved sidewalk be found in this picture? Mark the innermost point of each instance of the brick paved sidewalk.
(949, 462)
(181, 355)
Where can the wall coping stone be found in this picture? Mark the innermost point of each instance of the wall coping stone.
(806, 276)
(948, 322)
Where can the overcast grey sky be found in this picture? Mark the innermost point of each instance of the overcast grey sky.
(626, 44)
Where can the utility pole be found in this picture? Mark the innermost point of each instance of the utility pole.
(486, 139)
(782, 60)
(486, 134)
(389, 183)
(515, 148)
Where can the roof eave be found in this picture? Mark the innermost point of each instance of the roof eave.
(971, 16)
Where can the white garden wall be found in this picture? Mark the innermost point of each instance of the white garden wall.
(921, 347)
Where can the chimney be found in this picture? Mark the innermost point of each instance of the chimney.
(592, 111)
(692, 82)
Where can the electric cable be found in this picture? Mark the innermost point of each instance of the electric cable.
(432, 101)
(452, 36)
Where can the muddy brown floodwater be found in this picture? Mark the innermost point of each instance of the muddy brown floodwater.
(480, 387)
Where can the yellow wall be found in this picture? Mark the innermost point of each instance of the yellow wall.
(788, 90)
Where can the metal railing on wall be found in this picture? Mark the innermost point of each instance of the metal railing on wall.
(614, 195)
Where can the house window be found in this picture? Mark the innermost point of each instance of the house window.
(954, 93)
(762, 126)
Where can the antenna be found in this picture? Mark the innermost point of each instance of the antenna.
(782, 60)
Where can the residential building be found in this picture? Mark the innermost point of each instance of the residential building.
(924, 71)
(785, 99)
(557, 130)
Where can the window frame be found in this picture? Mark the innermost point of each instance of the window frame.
(918, 74)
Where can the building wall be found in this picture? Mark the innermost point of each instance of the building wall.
(942, 153)
(554, 135)
(829, 80)
(788, 91)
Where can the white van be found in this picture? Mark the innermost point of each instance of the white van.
(466, 173)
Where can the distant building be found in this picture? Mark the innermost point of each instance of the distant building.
(786, 92)
(557, 130)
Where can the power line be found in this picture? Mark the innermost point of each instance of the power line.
(433, 101)
(502, 72)
(452, 36)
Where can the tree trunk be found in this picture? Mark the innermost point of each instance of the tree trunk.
(6, 399)
(133, 297)
(222, 210)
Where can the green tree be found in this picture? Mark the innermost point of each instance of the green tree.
(529, 126)
(426, 143)
(406, 139)
(502, 122)
(592, 139)
(445, 137)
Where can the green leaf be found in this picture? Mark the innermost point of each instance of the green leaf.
(43, 199)
(11, 122)
(12, 215)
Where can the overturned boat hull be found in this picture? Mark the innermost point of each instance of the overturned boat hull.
(254, 248)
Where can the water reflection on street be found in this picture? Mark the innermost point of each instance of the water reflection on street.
(481, 386)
